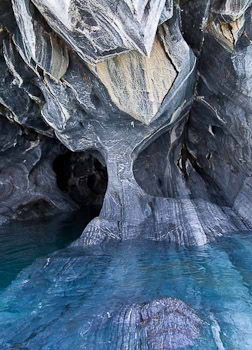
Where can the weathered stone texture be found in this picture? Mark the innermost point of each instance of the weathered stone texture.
(97, 30)
(158, 91)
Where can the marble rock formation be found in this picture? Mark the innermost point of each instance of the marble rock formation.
(27, 180)
(167, 324)
(156, 91)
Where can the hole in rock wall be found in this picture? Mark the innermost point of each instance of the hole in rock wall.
(83, 177)
(95, 100)
(216, 130)
(35, 209)
(155, 168)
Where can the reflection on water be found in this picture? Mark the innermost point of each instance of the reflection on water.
(61, 301)
(22, 242)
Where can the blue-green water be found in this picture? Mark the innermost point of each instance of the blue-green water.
(22, 242)
(57, 302)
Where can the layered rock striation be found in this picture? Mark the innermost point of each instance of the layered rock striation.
(151, 98)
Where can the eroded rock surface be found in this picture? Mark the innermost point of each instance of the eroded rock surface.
(27, 181)
(219, 143)
(166, 323)
(158, 92)
(97, 30)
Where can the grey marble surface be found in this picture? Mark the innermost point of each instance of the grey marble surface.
(157, 92)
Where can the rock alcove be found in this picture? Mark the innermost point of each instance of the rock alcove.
(123, 106)
(82, 176)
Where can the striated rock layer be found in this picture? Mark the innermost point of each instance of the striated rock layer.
(141, 108)
(156, 93)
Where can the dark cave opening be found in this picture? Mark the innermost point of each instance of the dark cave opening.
(95, 100)
(83, 177)
(62, 170)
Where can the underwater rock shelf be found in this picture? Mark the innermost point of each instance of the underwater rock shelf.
(140, 108)
(133, 294)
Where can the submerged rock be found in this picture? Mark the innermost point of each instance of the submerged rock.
(107, 298)
(166, 324)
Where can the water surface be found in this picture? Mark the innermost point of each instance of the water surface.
(60, 301)
(22, 242)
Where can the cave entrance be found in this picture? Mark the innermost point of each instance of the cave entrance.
(83, 176)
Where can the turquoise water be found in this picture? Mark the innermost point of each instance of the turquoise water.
(22, 242)
(61, 301)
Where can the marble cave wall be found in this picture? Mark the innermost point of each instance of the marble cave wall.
(140, 108)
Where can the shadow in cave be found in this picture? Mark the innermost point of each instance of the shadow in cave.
(155, 168)
(165, 168)
(84, 178)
